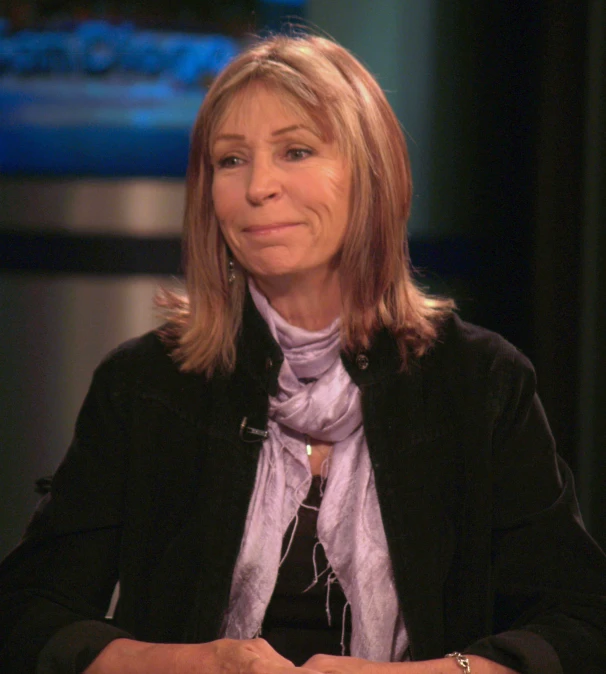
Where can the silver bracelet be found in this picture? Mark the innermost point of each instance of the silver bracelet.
(462, 661)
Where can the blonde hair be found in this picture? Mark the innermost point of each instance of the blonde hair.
(329, 85)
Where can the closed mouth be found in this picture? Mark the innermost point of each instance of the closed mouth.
(269, 228)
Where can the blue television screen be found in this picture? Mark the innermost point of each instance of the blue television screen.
(98, 99)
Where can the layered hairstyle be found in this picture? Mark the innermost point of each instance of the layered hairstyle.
(330, 87)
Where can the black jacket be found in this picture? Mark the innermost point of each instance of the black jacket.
(488, 549)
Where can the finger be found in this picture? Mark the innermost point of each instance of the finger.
(262, 666)
(267, 652)
(326, 663)
(316, 661)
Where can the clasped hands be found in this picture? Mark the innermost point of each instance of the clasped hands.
(255, 656)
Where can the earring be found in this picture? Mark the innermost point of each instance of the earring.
(231, 271)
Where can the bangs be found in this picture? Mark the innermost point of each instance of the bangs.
(296, 97)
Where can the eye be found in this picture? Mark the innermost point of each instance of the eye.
(230, 161)
(298, 153)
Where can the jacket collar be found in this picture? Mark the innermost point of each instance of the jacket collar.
(258, 352)
(261, 356)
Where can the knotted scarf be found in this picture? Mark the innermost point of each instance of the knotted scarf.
(318, 398)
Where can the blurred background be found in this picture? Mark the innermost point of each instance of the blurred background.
(503, 106)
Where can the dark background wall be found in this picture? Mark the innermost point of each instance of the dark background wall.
(527, 83)
(537, 110)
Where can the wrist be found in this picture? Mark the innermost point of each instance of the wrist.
(127, 656)
(477, 665)
(461, 660)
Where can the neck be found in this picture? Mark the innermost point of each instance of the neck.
(312, 303)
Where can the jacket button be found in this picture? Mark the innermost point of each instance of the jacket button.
(362, 361)
(269, 363)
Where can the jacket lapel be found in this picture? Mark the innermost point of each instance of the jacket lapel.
(238, 419)
(406, 449)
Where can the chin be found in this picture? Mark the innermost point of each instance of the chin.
(273, 274)
(275, 268)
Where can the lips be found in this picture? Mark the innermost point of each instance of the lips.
(270, 228)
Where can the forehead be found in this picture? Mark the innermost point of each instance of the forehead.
(259, 100)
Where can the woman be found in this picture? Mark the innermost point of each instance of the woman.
(306, 388)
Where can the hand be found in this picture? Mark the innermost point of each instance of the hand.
(224, 656)
(231, 656)
(333, 664)
(330, 664)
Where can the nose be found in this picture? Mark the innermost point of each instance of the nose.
(263, 183)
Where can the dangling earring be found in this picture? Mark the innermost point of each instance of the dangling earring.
(231, 271)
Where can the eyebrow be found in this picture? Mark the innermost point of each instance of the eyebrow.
(294, 127)
(278, 132)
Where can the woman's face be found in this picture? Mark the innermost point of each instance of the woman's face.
(281, 193)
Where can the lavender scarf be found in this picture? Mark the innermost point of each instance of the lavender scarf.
(350, 527)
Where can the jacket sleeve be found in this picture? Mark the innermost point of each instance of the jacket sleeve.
(549, 576)
(55, 587)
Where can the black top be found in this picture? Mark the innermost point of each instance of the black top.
(297, 621)
(488, 550)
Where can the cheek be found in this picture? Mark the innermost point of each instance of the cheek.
(336, 182)
(340, 197)
(327, 192)
(221, 208)
(225, 197)
(218, 197)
